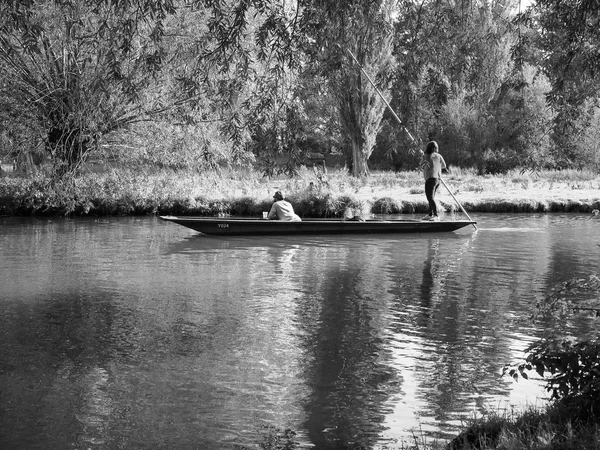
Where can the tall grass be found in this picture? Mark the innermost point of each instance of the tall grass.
(548, 428)
(570, 175)
(314, 193)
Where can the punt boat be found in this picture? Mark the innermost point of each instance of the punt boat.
(245, 226)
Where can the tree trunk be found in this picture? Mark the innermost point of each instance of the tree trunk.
(360, 166)
(68, 146)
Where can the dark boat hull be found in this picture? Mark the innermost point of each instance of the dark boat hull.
(236, 226)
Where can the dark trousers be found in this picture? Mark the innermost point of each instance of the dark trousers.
(431, 187)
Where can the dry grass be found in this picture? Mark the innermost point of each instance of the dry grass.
(313, 192)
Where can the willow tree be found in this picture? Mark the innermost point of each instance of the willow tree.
(84, 68)
(312, 36)
(364, 28)
(79, 67)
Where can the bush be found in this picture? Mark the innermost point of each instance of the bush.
(386, 205)
(500, 162)
(573, 366)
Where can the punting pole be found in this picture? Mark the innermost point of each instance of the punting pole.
(458, 203)
(407, 132)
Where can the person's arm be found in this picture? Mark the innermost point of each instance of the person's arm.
(424, 164)
(442, 165)
(272, 213)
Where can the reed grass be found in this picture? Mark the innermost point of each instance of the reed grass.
(314, 193)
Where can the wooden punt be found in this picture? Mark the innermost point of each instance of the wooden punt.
(244, 226)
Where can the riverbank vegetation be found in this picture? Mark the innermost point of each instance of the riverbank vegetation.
(551, 428)
(313, 192)
(571, 368)
(198, 84)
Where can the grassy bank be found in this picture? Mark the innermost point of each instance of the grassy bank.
(556, 427)
(313, 193)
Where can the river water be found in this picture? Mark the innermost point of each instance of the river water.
(136, 333)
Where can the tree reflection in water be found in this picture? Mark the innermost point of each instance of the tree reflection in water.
(429, 330)
(347, 364)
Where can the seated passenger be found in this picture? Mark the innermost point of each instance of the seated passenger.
(282, 209)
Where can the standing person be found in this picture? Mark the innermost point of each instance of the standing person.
(282, 209)
(433, 163)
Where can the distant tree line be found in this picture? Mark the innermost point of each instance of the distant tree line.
(196, 84)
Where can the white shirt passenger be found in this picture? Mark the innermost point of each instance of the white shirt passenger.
(283, 210)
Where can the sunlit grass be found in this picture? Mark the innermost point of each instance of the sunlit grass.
(570, 175)
(314, 193)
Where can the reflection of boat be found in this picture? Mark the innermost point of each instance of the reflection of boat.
(240, 226)
(202, 243)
